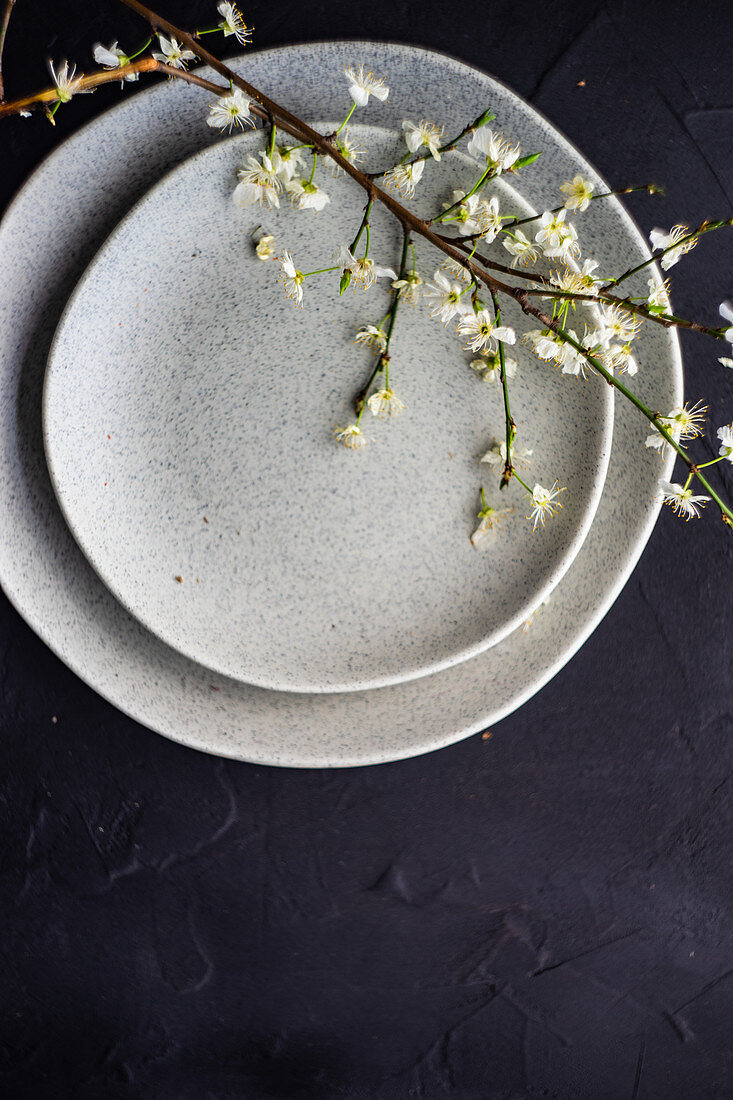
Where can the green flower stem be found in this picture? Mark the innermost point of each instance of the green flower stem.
(650, 187)
(706, 227)
(410, 158)
(546, 290)
(132, 56)
(511, 428)
(652, 417)
(313, 169)
(668, 320)
(382, 363)
(454, 205)
(523, 483)
(353, 108)
(320, 271)
(271, 143)
(395, 306)
(362, 227)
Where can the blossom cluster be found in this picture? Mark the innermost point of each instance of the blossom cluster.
(585, 327)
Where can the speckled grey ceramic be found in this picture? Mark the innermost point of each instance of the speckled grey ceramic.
(59, 220)
(189, 411)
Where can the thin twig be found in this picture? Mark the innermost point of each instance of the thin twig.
(521, 297)
(294, 126)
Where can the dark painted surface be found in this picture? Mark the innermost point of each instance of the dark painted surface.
(541, 913)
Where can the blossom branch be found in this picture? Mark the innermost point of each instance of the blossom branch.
(382, 363)
(107, 76)
(706, 227)
(651, 188)
(294, 126)
(407, 160)
(511, 428)
(667, 320)
(547, 290)
(654, 418)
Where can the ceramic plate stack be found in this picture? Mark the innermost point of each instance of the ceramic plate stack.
(236, 581)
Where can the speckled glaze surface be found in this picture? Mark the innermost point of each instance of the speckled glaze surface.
(188, 419)
(48, 236)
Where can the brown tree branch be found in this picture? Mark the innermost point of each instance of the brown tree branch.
(108, 76)
(294, 126)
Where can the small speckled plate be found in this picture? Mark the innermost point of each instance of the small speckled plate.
(189, 412)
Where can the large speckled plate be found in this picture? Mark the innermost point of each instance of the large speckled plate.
(189, 412)
(47, 238)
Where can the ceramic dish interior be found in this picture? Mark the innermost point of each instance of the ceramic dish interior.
(47, 237)
(189, 413)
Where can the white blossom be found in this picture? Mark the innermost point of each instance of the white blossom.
(618, 323)
(490, 519)
(482, 331)
(233, 23)
(682, 501)
(579, 193)
(351, 436)
(551, 346)
(286, 161)
(404, 177)
(258, 183)
(572, 360)
(577, 282)
(66, 81)
(230, 111)
(349, 150)
(385, 403)
(559, 240)
(424, 133)
(658, 299)
(494, 149)
(488, 367)
(364, 271)
(496, 456)
(363, 84)
(726, 312)
(456, 270)
(114, 58)
(292, 279)
(489, 219)
(660, 239)
(466, 211)
(519, 247)
(545, 503)
(173, 53)
(681, 423)
(306, 195)
(725, 435)
(446, 298)
(411, 288)
(372, 336)
(263, 247)
(619, 358)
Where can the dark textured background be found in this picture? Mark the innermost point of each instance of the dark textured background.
(541, 913)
